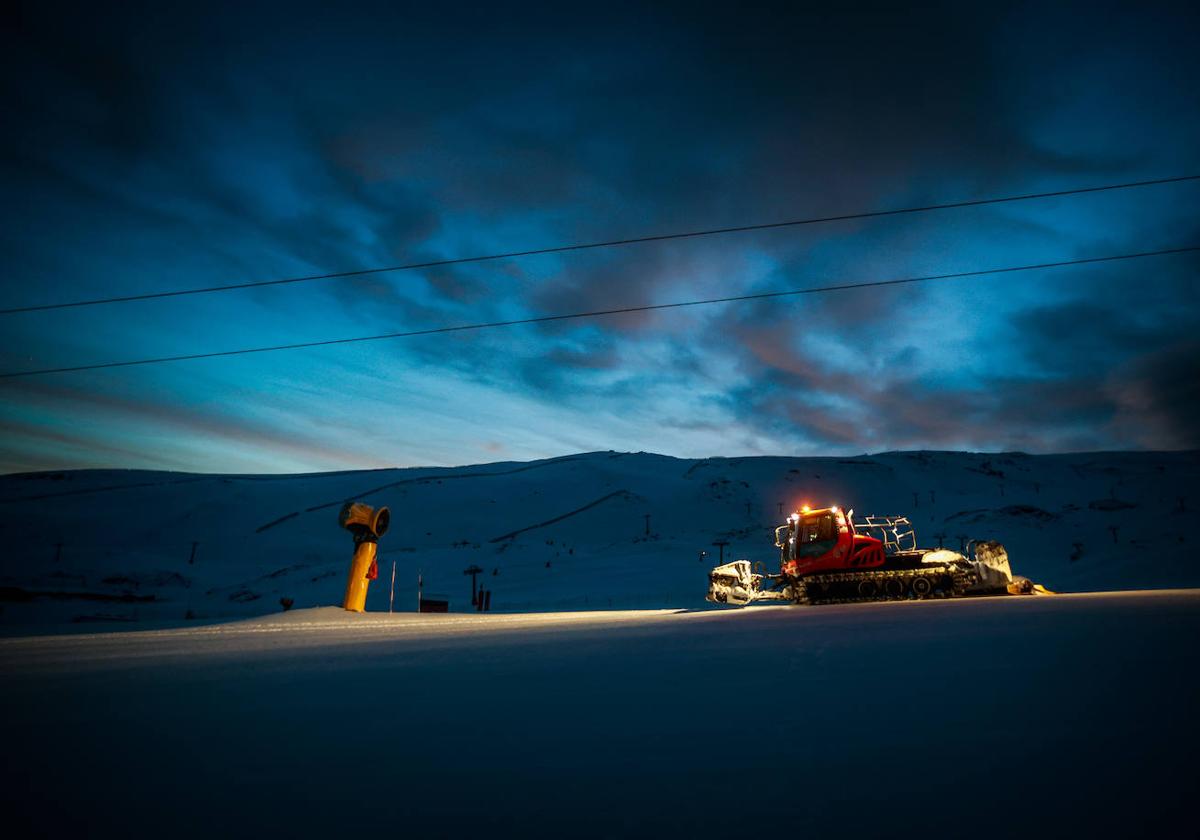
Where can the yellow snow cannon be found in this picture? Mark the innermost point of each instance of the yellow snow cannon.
(366, 524)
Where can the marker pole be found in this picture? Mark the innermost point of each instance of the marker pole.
(392, 596)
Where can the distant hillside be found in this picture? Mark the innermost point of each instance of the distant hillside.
(568, 532)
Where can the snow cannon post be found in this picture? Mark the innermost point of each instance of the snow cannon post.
(366, 524)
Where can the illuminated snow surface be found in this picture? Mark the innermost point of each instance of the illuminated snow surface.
(1048, 716)
(1058, 716)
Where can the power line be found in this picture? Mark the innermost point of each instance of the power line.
(600, 312)
(559, 249)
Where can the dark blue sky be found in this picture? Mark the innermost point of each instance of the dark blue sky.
(149, 149)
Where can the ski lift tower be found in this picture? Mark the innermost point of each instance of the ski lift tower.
(472, 570)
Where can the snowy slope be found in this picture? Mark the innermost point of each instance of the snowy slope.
(564, 533)
(994, 717)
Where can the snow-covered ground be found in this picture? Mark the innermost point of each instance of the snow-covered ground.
(1069, 716)
(603, 698)
(568, 533)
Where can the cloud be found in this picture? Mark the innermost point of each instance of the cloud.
(235, 145)
(1157, 398)
(272, 436)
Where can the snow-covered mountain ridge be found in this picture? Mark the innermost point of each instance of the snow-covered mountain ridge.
(587, 531)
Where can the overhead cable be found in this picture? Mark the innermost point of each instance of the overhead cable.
(541, 319)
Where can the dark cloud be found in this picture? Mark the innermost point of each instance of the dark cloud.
(1148, 401)
(1158, 398)
(153, 148)
(1082, 336)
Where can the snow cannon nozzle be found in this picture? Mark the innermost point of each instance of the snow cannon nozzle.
(364, 521)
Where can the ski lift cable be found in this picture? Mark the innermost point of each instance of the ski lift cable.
(599, 313)
(560, 249)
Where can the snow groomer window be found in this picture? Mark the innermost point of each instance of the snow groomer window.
(817, 535)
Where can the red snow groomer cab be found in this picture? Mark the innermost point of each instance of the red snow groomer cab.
(821, 540)
(826, 556)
